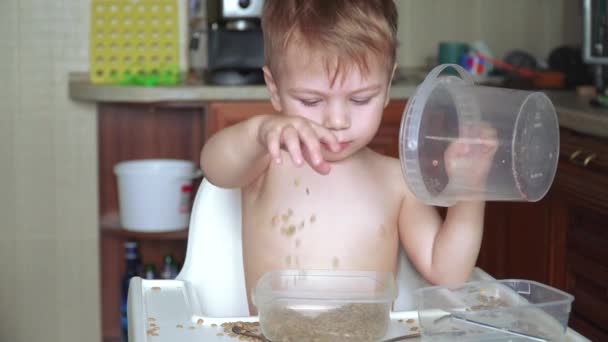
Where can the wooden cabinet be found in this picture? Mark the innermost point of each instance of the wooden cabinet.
(563, 239)
(223, 114)
(386, 140)
(136, 132)
(582, 206)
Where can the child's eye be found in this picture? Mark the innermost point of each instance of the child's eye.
(310, 103)
(362, 101)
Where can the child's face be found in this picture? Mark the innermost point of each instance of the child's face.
(351, 107)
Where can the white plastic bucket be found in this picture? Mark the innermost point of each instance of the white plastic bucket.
(154, 194)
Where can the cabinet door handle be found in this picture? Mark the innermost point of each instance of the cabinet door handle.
(584, 162)
(575, 154)
(589, 159)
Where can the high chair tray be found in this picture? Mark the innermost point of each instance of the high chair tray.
(166, 310)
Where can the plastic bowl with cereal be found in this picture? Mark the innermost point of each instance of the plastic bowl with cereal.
(323, 306)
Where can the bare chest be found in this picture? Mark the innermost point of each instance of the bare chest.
(347, 202)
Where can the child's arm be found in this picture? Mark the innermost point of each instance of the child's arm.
(237, 155)
(446, 252)
(443, 252)
(232, 157)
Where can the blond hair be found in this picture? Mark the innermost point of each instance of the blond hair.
(350, 31)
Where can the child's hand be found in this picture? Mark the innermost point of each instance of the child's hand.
(469, 159)
(300, 137)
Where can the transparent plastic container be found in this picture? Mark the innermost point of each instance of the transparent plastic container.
(461, 141)
(324, 305)
(501, 310)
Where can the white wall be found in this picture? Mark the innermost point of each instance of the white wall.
(536, 26)
(49, 264)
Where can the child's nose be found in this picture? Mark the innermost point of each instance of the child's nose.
(336, 118)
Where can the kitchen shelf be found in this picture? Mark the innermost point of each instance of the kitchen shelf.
(110, 226)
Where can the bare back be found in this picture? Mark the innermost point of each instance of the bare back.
(295, 218)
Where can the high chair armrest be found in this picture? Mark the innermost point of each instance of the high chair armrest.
(135, 311)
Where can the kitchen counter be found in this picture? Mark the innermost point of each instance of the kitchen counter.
(81, 89)
(574, 112)
(577, 114)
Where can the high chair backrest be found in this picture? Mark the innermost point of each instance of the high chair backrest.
(214, 258)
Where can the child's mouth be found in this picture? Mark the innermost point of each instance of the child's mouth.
(344, 145)
(341, 147)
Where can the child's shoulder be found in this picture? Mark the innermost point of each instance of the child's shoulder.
(386, 168)
(382, 161)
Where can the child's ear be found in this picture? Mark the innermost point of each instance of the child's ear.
(272, 88)
(390, 82)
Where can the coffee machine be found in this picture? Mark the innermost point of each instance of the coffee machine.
(235, 45)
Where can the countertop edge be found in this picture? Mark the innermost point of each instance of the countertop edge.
(577, 114)
(81, 89)
(583, 122)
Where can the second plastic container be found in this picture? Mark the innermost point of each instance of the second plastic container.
(460, 141)
(498, 310)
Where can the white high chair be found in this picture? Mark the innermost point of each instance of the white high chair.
(211, 284)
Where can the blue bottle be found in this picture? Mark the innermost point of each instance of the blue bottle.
(132, 259)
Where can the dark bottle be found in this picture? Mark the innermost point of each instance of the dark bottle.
(133, 268)
(150, 271)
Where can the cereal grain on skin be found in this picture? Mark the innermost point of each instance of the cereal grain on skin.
(336, 262)
(288, 260)
(289, 231)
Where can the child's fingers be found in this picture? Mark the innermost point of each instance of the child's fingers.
(488, 134)
(327, 136)
(323, 167)
(273, 143)
(291, 141)
(312, 145)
